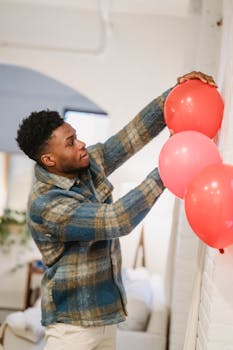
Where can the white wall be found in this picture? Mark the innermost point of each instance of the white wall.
(19, 180)
(210, 322)
(142, 58)
(3, 181)
(202, 53)
(215, 328)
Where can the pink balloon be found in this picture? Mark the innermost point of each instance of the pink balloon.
(183, 156)
(194, 105)
(209, 205)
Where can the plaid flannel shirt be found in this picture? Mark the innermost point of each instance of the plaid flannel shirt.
(77, 227)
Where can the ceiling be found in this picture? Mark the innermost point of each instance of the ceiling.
(177, 8)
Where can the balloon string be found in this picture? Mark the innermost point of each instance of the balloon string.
(221, 251)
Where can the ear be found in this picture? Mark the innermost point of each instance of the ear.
(48, 160)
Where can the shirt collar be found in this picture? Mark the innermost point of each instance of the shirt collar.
(60, 181)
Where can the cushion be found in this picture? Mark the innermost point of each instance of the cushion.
(27, 324)
(137, 283)
(139, 294)
(138, 315)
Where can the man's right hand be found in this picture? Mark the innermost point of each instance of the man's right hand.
(197, 75)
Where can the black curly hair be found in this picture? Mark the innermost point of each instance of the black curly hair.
(35, 130)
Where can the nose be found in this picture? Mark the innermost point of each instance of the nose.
(80, 144)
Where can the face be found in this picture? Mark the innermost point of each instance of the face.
(66, 155)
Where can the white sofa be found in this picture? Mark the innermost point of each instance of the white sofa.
(145, 327)
(149, 339)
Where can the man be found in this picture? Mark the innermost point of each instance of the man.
(76, 225)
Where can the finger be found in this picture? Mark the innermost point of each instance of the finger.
(211, 80)
(197, 75)
(171, 132)
(191, 75)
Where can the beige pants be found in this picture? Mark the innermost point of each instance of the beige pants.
(61, 336)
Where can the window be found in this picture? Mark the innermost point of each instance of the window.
(91, 127)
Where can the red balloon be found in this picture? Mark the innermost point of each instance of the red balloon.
(183, 156)
(209, 205)
(194, 105)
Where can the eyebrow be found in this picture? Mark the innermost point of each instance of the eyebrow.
(71, 136)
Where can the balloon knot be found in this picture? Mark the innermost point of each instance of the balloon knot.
(221, 251)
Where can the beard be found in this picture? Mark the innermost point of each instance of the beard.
(69, 170)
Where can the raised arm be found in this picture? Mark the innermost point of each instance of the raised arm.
(136, 134)
(144, 127)
(59, 218)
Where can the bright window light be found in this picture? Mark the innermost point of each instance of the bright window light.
(91, 127)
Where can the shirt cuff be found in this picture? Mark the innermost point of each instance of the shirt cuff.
(154, 175)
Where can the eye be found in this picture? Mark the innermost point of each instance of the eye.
(71, 140)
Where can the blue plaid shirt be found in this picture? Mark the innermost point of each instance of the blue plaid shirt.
(77, 227)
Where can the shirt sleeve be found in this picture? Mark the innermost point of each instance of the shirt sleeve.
(65, 220)
(143, 128)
